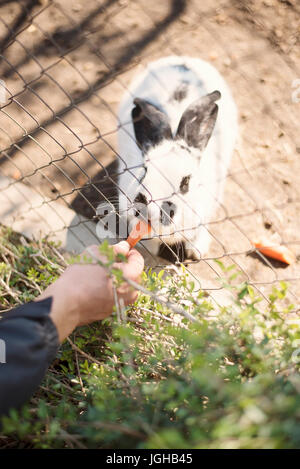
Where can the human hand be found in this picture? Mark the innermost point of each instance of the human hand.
(84, 292)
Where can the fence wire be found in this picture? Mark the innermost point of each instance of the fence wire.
(64, 69)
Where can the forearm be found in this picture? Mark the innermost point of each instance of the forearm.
(64, 310)
(32, 332)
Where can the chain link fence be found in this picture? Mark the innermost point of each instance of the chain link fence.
(64, 69)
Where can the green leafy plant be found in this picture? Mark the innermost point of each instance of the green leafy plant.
(26, 268)
(151, 378)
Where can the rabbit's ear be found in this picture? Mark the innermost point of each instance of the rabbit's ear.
(151, 125)
(198, 121)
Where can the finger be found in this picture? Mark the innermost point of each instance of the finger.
(129, 296)
(122, 248)
(132, 269)
(135, 265)
(93, 251)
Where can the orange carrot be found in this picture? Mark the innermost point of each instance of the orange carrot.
(139, 231)
(275, 251)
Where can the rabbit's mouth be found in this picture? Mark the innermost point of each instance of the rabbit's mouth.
(160, 230)
(160, 216)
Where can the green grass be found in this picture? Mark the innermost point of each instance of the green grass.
(149, 378)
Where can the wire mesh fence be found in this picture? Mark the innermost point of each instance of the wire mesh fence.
(64, 69)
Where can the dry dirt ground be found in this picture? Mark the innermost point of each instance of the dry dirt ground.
(66, 64)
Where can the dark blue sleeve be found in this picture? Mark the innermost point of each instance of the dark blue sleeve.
(28, 344)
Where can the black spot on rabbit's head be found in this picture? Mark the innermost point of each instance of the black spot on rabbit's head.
(182, 68)
(180, 93)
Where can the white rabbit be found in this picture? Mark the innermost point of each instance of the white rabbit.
(175, 147)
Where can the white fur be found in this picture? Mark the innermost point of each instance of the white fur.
(169, 161)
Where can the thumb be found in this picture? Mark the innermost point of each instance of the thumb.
(122, 248)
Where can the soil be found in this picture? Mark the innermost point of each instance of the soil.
(66, 65)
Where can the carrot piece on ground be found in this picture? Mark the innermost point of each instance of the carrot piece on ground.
(140, 230)
(275, 251)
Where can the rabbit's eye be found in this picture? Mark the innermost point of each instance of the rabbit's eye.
(184, 185)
